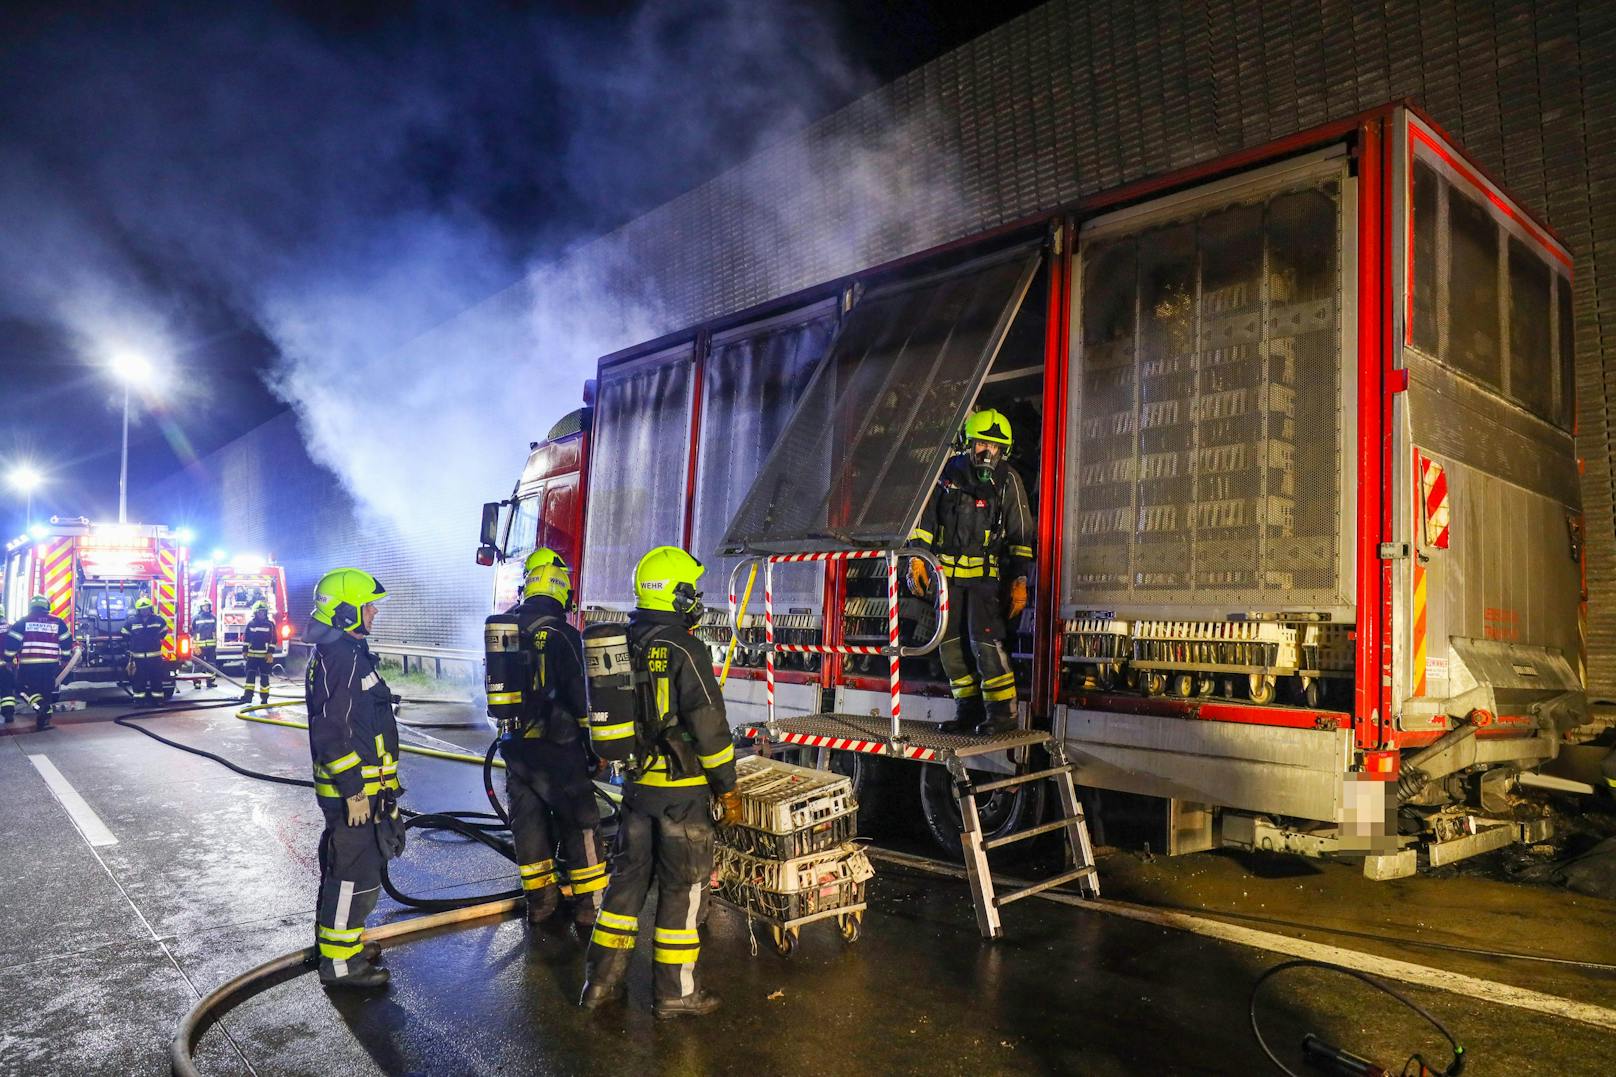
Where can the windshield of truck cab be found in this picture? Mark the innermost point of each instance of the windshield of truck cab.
(522, 525)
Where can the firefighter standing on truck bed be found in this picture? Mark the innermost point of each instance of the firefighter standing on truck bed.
(205, 637)
(258, 650)
(143, 636)
(978, 524)
(8, 682)
(353, 739)
(666, 832)
(547, 762)
(38, 645)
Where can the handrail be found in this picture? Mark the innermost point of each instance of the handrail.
(894, 650)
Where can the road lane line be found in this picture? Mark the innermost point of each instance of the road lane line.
(1389, 967)
(90, 825)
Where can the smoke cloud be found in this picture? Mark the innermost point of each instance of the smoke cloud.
(403, 207)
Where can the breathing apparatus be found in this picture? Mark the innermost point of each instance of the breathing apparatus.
(985, 428)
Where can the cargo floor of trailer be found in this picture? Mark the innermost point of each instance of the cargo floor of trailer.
(106, 946)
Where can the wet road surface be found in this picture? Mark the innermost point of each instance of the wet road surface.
(105, 947)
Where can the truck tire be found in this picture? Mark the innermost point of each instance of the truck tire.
(1002, 812)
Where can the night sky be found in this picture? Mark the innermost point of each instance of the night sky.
(200, 184)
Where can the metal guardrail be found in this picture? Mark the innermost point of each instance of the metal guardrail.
(421, 654)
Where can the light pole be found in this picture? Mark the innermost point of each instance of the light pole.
(130, 368)
(25, 478)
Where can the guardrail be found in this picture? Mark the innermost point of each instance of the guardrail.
(421, 654)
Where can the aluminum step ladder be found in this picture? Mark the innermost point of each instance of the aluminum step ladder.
(1080, 853)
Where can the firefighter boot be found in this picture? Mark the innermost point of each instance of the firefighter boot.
(1001, 718)
(543, 903)
(606, 973)
(263, 697)
(698, 1004)
(968, 714)
(246, 697)
(361, 976)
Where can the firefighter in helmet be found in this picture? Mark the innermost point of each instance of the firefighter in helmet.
(143, 637)
(205, 637)
(547, 758)
(666, 833)
(258, 650)
(353, 739)
(978, 525)
(38, 646)
(8, 680)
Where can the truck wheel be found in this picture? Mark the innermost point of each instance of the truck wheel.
(1002, 811)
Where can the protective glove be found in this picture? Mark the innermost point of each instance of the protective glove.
(358, 809)
(729, 808)
(1018, 597)
(919, 577)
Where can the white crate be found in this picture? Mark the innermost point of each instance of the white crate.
(780, 798)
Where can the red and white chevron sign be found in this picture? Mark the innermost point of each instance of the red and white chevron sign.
(1434, 483)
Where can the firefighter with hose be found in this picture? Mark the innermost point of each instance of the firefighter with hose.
(979, 526)
(655, 704)
(37, 646)
(143, 637)
(205, 635)
(258, 651)
(353, 739)
(537, 698)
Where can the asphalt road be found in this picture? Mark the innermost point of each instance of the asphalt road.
(200, 874)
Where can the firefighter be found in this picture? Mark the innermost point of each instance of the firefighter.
(547, 762)
(258, 649)
(353, 740)
(8, 681)
(38, 646)
(666, 832)
(978, 525)
(143, 637)
(205, 637)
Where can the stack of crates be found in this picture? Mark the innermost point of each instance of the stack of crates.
(792, 859)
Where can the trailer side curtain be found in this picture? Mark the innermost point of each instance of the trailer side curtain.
(751, 382)
(861, 452)
(637, 471)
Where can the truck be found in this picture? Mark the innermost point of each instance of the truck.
(92, 574)
(1297, 424)
(234, 586)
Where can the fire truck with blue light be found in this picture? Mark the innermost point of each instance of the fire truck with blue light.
(236, 584)
(92, 574)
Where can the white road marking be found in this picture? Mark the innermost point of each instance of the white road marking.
(90, 825)
(1391, 968)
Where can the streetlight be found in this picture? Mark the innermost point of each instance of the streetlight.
(132, 370)
(25, 479)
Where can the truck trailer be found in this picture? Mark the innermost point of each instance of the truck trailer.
(92, 574)
(1297, 424)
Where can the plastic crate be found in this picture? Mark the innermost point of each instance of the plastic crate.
(787, 890)
(779, 798)
(812, 839)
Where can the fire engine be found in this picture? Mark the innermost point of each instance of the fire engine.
(1298, 428)
(93, 573)
(234, 586)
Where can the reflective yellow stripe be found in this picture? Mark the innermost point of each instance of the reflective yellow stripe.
(332, 951)
(662, 696)
(684, 955)
(589, 871)
(504, 697)
(618, 920)
(964, 691)
(589, 886)
(659, 778)
(999, 681)
(677, 936)
(726, 754)
(999, 695)
(539, 882)
(345, 935)
(611, 732)
(535, 868)
(610, 939)
(922, 534)
(324, 790)
(1022, 552)
(956, 573)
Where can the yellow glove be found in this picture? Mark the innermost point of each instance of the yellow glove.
(729, 808)
(919, 577)
(1018, 597)
(358, 809)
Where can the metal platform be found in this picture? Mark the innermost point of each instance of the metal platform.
(871, 734)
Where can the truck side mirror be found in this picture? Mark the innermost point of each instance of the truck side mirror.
(486, 555)
(488, 535)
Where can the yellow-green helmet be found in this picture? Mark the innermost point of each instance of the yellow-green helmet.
(260, 606)
(989, 424)
(665, 579)
(142, 603)
(39, 602)
(545, 573)
(342, 593)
